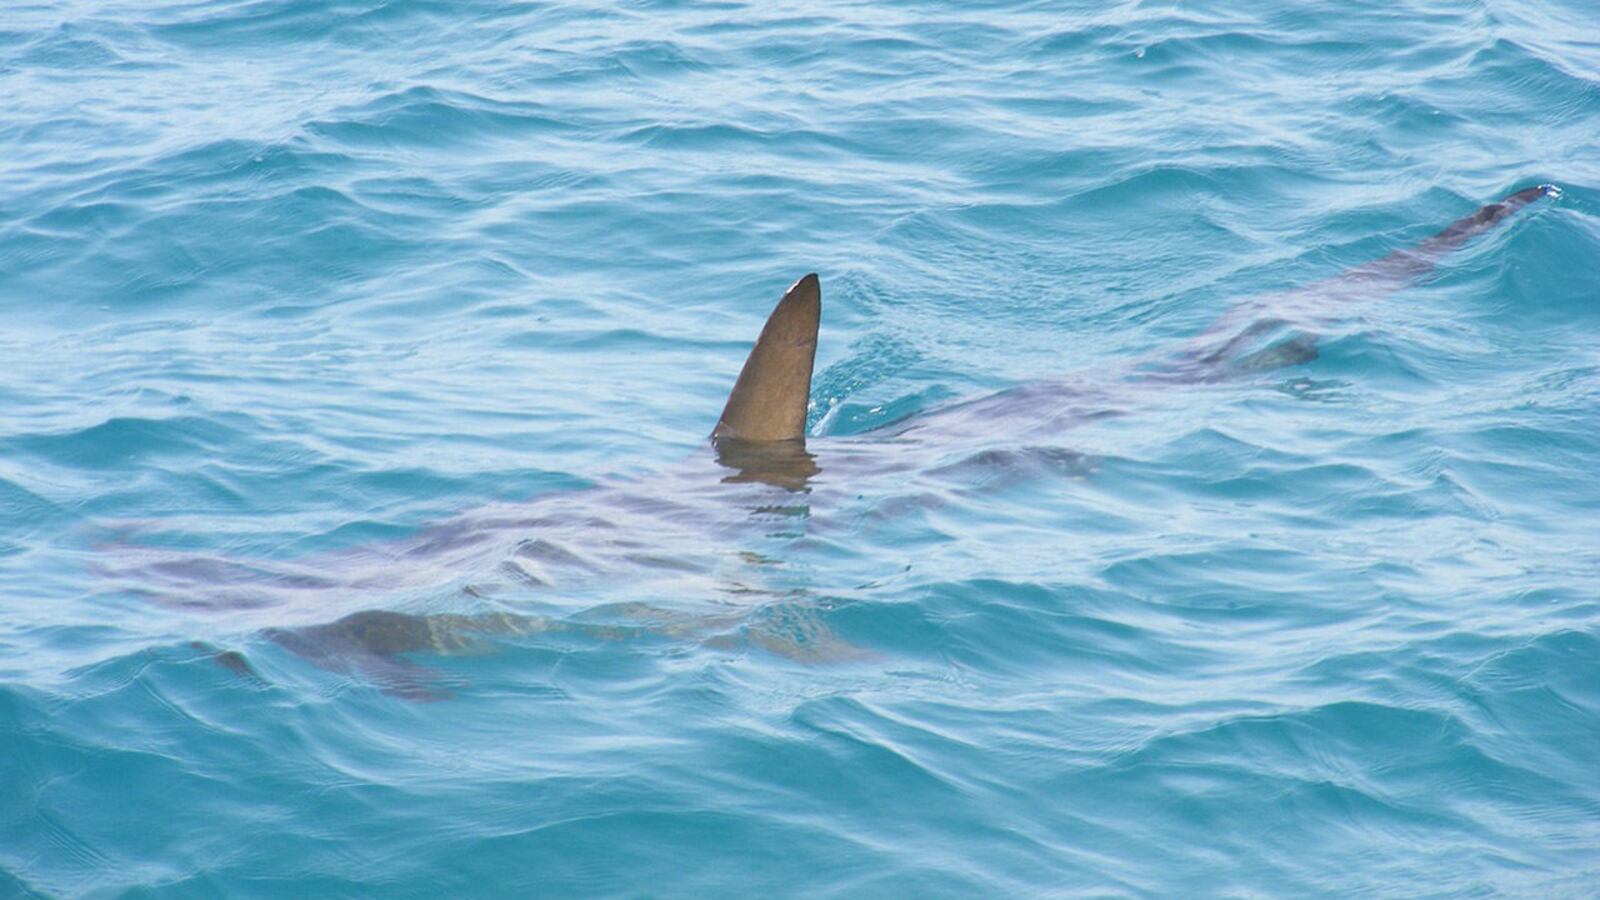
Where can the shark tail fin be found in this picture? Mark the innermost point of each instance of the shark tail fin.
(1487, 216)
(1207, 358)
(769, 400)
(1415, 262)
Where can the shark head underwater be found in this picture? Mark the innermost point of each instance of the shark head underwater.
(759, 444)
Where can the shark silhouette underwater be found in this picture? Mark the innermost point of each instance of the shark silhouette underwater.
(759, 443)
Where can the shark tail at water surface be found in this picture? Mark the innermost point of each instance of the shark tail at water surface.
(1206, 359)
(1402, 266)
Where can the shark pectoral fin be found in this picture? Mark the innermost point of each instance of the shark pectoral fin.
(769, 400)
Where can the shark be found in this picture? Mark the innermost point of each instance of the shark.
(760, 451)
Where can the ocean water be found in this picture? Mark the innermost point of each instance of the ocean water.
(359, 537)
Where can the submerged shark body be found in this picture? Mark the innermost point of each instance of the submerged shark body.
(759, 457)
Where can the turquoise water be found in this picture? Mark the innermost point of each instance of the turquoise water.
(286, 284)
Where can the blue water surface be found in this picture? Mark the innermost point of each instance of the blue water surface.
(286, 284)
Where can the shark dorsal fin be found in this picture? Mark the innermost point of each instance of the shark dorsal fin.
(768, 402)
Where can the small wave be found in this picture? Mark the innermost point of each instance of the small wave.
(429, 117)
(119, 441)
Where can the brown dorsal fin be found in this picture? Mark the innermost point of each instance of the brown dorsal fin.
(768, 402)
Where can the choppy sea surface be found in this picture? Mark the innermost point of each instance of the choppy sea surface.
(358, 535)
